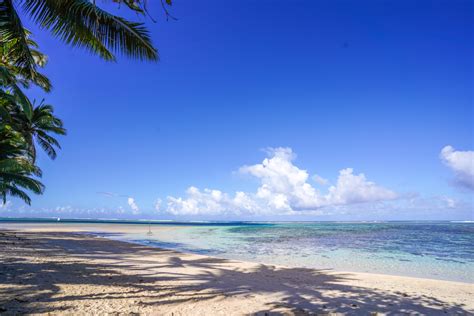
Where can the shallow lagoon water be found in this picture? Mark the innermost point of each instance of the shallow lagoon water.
(429, 250)
(436, 250)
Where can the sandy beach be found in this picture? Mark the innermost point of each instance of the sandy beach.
(73, 273)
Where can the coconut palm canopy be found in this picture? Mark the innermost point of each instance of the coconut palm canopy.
(24, 125)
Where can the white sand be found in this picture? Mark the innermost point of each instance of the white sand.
(70, 273)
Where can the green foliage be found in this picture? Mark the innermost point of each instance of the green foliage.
(24, 125)
(17, 172)
(82, 23)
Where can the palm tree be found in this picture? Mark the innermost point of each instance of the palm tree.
(17, 152)
(17, 172)
(79, 23)
(21, 124)
(38, 127)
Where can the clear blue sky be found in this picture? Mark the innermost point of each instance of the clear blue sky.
(377, 86)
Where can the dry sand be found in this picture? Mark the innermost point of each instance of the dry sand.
(72, 273)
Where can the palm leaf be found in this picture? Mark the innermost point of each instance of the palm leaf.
(7, 79)
(53, 141)
(13, 33)
(47, 147)
(14, 191)
(81, 23)
(24, 181)
(16, 48)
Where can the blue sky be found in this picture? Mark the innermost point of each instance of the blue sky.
(377, 86)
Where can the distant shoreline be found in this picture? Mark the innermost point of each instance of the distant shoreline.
(53, 219)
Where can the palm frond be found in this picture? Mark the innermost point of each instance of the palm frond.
(14, 165)
(8, 80)
(83, 24)
(13, 34)
(53, 141)
(7, 189)
(47, 147)
(40, 80)
(23, 181)
(18, 51)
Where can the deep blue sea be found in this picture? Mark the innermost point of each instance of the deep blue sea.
(437, 250)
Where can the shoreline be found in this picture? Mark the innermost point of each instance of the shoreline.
(103, 235)
(68, 272)
(371, 264)
(98, 235)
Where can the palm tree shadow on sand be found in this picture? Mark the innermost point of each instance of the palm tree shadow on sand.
(28, 286)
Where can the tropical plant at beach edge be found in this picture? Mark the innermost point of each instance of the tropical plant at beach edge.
(24, 125)
(18, 171)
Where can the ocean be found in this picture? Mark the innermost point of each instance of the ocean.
(435, 250)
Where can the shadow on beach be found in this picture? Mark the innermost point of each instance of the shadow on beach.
(156, 278)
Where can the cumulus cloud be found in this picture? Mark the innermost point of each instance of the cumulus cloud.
(283, 189)
(214, 202)
(407, 207)
(462, 164)
(351, 188)
(283, 185)
(133, 205)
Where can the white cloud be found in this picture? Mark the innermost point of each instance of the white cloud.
(211, 202)
(284, 189)
(351, 188)
(64, 209)
(462, 163)
(407, 207)
(283, 185)
(133, 205)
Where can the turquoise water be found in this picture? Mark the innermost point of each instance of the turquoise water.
(429, 250)
(437, 250)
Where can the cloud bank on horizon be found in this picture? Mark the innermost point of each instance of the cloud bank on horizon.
(284, 189)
